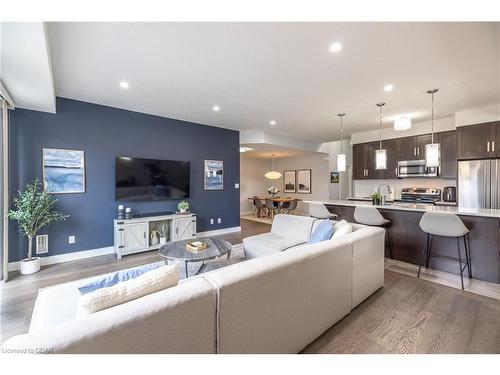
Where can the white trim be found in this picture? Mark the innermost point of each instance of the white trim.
(5, 94)
(218, 232)
(77, 255)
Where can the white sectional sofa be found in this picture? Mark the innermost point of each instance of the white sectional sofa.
(272, 304)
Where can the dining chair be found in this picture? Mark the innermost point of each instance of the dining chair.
(285, 206)
(293, 206)
(271, 209)
(260, 209)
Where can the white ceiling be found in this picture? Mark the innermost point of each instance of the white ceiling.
(257, 72)
(25, 66)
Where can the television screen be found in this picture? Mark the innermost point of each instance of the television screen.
(150, 179)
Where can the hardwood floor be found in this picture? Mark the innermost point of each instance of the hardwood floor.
(407, 316)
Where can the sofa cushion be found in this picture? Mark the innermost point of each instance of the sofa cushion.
(149, 282)
(299, 227)
(114, 278)
(268, 243)
(341, 229)
(322, 232)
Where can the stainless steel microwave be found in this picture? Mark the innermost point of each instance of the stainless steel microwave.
(416, 168)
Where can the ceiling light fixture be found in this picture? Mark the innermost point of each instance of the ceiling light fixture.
(335, 47)
(341, 161)
(124, 84)
(272, 122)
(245, 149)
(432, 150)
(388, 88)
(402, 123)
(380, 154)
(216, 108)
(273, 174)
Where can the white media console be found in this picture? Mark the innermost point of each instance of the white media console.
(134, 235)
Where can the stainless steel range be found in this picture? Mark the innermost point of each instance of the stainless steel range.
(420, 195)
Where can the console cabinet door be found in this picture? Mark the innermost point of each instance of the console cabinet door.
(474, 142)
(448, 142)
(183, 228)
(135, 237)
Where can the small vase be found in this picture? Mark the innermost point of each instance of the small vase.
(154, 238)
(375, 201)
(163, 240)
(30, 266)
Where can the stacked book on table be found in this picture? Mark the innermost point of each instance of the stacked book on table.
(196, 246)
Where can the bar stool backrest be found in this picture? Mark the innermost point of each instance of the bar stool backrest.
(368, 216)
(443, 224)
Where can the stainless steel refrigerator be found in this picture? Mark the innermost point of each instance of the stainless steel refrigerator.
(479, 184)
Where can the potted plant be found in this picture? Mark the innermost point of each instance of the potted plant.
(273, 190)
(33, 210)
(162, 229)
(183, 206)
(376, 197)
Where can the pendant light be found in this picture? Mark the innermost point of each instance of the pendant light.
(341, 161)
(380, 154)
(432, 150)
(273, 174)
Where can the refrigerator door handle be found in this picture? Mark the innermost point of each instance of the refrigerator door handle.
(495, 175)
(488, 182)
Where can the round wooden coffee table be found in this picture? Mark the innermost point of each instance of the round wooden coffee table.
(177, 252)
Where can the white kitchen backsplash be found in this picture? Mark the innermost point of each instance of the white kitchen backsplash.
(363, 188)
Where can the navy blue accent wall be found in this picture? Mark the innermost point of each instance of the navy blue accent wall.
(103, 133)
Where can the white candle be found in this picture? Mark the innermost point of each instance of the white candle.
(120, 207)
(128, 209)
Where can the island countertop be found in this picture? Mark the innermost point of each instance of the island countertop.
(481, 212)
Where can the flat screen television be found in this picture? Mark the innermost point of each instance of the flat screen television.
(150, 179)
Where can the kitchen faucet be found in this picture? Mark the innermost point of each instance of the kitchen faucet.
(388, 188)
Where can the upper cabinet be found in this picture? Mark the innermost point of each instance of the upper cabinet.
(448, 142)
(478, 141)
(399, 149)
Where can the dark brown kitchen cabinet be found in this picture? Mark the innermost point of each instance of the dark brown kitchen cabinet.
(496, 140)
(423, 140)
(358, 162)
(391, 145)
(448, 141)
(477, 141)
(407, 148)
(363, 160)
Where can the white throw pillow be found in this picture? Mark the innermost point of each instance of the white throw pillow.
(341, 228)
(147, 283)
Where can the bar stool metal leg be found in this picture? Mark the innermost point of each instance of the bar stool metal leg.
(467, 255)
(460, 263)
(423, 256)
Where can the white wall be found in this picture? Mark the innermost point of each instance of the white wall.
(341, 190)
(252, 181)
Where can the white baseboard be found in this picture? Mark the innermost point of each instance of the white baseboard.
(77, 255)
(246, 213)
(218, 232)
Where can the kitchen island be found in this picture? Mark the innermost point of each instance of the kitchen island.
(407, 239)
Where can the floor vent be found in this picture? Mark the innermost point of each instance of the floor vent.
(42, 244)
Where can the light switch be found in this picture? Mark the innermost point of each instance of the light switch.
(236, 185)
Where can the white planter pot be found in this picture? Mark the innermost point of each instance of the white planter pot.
(163, 240)
(30, 266)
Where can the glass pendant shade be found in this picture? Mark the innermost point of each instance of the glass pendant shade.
(381, 159)
(273, 175)
(432, 155)
(341, 163)
(402, 123)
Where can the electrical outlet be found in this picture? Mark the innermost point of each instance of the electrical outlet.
(211, 221)
(219, 220)
(71, 239)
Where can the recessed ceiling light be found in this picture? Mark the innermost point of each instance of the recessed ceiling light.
(335, 47)
(388, 88)
(245, 149)
(124, 84)
(216, 108)
(272, 122)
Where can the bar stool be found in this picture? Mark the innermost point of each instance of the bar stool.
(319, 211)
(368, 215)
(444, 225)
